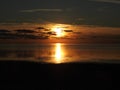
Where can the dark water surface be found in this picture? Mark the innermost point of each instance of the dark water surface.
(61, 53)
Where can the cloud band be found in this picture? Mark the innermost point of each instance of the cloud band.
(42, 10)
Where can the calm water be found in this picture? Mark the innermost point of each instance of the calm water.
(61, 53)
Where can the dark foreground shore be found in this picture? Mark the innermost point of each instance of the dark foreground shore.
(73, 76)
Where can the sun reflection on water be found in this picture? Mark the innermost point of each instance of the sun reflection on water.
(58, 53)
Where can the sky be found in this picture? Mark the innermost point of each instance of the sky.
(80, 12)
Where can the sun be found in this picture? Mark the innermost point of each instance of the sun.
(58, 31)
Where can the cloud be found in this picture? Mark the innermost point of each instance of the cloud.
(109, 1)
(80, 19)
(41, 10)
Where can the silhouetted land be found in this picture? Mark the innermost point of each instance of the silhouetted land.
(72, 76)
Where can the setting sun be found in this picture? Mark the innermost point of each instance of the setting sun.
(59, 31)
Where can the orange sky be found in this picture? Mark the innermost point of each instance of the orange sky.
(76, 28)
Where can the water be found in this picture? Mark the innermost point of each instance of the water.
(61, 53)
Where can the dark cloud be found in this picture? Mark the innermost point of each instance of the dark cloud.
(85, 12)
(109, 1)
(42, 10)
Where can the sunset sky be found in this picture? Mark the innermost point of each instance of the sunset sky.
(82, 12)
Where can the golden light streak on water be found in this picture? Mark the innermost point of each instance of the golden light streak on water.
(58, 53)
